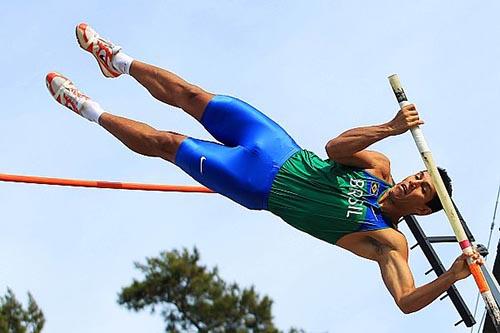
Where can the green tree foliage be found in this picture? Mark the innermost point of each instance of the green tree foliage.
(15, 319)
(194, 298)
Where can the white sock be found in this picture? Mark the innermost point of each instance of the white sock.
(91, 111)
(121, 62)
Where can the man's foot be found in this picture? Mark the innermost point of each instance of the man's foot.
(65, 92)
(102, 49)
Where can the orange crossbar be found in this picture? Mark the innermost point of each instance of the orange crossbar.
(102, 184)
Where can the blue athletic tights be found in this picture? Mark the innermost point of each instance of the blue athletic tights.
(243, 165)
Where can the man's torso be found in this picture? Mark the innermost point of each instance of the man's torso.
(327, 200)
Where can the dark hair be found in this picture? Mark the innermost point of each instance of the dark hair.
(435, 204)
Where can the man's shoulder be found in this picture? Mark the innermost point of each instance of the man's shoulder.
(380, 165)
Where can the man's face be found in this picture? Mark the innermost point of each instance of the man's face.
(412, 193)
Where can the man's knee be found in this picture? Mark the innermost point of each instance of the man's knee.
(195, 100)
(192, 92)
(166, 144)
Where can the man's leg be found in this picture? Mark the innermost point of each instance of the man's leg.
(235, 172)
(231, 121)
(142, 138)
(171, 89)
(137, 136)
(162, 84)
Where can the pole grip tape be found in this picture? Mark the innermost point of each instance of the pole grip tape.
(479, 278)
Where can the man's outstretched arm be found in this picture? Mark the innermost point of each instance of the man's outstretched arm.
(399, 280)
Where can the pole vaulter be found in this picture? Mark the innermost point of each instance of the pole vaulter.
(451, 213)
(349, 200)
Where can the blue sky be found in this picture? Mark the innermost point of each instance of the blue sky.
(317, 67)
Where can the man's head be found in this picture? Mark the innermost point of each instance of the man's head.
(417, 195)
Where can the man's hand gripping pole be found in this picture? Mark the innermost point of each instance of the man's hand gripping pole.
(448, 207)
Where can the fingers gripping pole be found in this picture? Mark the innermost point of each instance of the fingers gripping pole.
(448, 207)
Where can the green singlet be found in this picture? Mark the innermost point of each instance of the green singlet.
(327, 199)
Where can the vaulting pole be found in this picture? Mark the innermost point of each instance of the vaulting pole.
(448, 207)
(101, 184)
